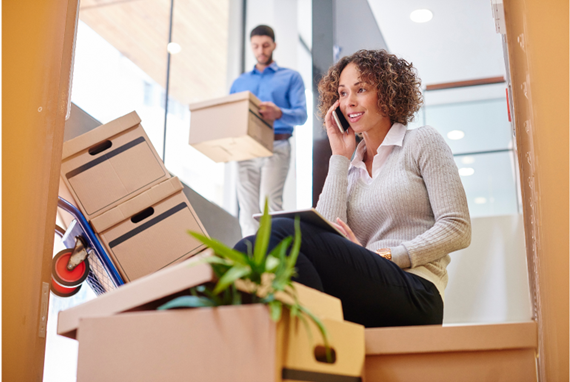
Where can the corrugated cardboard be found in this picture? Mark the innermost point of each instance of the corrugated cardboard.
(150, 290)
(231, 343)
(230, 128)
(121, 336)
(497, 352)
(139, 248)
(127, 166)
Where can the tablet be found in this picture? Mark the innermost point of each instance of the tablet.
(309, 215)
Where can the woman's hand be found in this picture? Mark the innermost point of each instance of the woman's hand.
(345, 229)
(341, 144)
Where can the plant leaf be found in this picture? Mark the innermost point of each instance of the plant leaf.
(279, 252)
(187, 302)
(275, 308)
(236, 299)
(230, 277)
(217, 260)
(271, 264)
(292, 259)
(262, 238)
(322, 329)
(221, 249)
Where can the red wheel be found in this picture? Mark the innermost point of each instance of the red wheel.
(62, 291)
(62, 276)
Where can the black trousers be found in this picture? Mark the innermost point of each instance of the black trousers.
(374, 291)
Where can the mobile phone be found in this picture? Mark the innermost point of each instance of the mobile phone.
(341, 122)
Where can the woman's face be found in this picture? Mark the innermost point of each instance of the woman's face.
(359, 101)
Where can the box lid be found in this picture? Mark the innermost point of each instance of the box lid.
(102, 132)
(241, 96)
(436, 338)
(135, 205)
(168, 281)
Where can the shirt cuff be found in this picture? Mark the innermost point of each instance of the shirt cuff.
(401, 257)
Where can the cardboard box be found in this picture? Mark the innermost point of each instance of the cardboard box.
(149, 231)
(110, 164)
(121, 337)
(497, 352)
(230, 343)
(230, 128)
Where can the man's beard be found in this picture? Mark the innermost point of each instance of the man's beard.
(267, 62)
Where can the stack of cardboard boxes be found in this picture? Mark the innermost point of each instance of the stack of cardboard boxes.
(141, 216)
(137, 209)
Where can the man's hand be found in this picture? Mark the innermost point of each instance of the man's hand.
(270, 111)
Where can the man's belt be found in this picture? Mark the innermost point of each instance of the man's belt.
(282, 137)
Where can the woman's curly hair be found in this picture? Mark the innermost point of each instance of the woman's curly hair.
(395, 79)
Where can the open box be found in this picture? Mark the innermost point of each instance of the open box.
(122, 337)
(149, 231)
(110, 164)
(230, 128)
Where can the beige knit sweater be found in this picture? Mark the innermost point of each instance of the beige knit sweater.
(416, 206)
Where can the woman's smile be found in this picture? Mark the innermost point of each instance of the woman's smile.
(354, 117)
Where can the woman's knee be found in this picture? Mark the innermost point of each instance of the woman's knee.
(244, 244)
(283, 227)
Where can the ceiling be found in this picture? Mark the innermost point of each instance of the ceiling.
(459, 43)
(139, 30)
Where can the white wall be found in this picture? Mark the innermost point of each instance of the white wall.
(488, 281)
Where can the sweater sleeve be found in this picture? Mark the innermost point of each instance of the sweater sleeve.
(333, 200)
(452, 228)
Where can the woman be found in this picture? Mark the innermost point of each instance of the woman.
(399, 200)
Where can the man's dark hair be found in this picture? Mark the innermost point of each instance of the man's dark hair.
(262, 30)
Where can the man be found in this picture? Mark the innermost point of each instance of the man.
(282, 93)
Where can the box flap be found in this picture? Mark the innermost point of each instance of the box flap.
(99, 134)
(436, 338)
(171, 280)
(147, 289)
(135, 205)
(226, 99)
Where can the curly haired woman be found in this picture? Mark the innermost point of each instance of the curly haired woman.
(399, 199)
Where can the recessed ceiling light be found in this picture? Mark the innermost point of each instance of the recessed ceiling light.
(173, 48)
(455, 134)
(466, 171)
(421, 15)
(480, 200)
(467, 160)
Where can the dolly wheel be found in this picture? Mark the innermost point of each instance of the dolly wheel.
(62, 276)
(62, 291)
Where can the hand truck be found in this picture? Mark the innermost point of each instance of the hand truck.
(84, 258)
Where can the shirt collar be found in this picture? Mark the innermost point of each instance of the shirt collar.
(273, 66)
(395, 137)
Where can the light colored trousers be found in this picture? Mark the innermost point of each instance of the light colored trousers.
(259, 178)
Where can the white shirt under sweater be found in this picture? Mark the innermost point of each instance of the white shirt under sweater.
(415, 205)
(395, 137)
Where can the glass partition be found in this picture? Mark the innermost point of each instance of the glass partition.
(121, 65)
(198, 72)
(479, 135)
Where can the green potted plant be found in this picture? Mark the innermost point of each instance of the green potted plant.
(263, 275)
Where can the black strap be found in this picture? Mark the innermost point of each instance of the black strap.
(314, 376)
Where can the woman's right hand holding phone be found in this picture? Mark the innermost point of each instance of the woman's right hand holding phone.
(341, 143)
